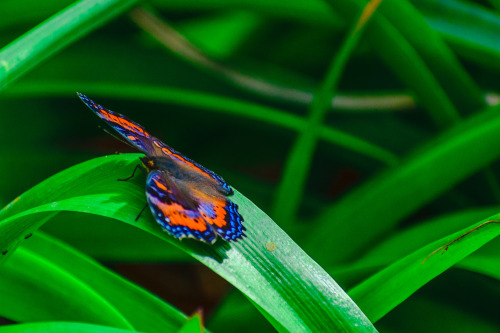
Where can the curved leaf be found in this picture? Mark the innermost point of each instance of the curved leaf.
(59, 326)
(75, 279)
(385, 290)
(63, 28)
(376, 207)
(54, 294)
(284, 282)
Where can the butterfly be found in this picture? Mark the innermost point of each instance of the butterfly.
(186, 199)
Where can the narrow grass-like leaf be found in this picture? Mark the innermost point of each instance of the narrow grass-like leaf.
(220, 35)
(486, 265)
(193, 325)
(471, 29)
(208, 102)
(428, 314)
(377, 206)
(54, 34)
(401, 244)
(406, 63)
(296, 169)
(407, 241)
(59, 326)
(153, 315)
(285, 283)
(112, 241)
(446, 68)
(35, 289)
(385, 290)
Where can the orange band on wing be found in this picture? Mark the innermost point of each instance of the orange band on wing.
(212, 209)
(220, 216)
(123, 122)
(161, 185)
(181, 158)
(178, 215)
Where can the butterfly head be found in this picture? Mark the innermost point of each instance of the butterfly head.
(149, 163)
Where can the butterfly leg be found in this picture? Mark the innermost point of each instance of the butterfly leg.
(133, 173)
(140, 213)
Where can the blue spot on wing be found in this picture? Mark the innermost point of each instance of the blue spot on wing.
(234, 228)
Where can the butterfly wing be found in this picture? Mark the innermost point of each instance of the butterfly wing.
(130, 130)
(190, 201)
(187, 163)
(174, 210)
(220, 212)
(138, 137)
(186, 209)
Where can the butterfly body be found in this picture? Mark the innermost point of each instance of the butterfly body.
(185, 198)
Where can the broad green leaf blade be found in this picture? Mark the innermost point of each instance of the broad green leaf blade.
(385, 290)
(376, 207)
(54, 34)
(60, 326)
(153, 315)
(280, 281)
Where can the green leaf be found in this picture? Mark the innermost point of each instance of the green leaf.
(373, 209)
(112, 240)
(59, 327)
(409, 240)
(45, 279)
(219, 36)
(64, 28)
(48, 293)
(440, 315)
(444, 65)
(208, 102)
(280, 281)
(297, 166)
(469, 28)
(193, 325)
(385, 290)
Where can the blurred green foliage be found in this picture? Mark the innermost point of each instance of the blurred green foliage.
(370, 149)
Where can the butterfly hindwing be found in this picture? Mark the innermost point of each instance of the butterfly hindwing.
(221, 213)
(174, 210)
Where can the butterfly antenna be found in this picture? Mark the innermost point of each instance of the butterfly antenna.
(116, 137)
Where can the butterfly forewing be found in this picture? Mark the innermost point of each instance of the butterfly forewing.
(224, 187)
(130, 130)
